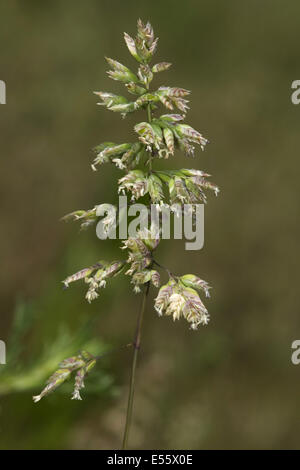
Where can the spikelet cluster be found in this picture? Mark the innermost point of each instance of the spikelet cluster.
(179, 298)
(82, 364)
(168, 187)
(96, 276)
(140, 258)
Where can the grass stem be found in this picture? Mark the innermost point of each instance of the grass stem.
(136, 345)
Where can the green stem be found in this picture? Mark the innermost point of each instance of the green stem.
(149, 112)
(149, 115)
(137, 345)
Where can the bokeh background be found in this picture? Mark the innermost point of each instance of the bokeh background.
(230, 385)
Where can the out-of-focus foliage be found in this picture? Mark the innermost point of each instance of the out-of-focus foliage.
(232, 385)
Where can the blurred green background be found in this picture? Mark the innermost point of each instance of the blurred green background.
(230, 385)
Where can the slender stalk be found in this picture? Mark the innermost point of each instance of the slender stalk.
(164, 268)
(149, 113)
(137, 345)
